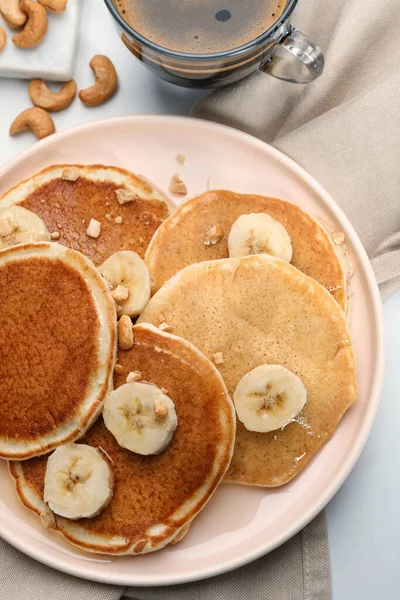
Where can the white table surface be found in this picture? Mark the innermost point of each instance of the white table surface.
(364, 517)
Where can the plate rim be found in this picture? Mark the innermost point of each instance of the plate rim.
(363, 433)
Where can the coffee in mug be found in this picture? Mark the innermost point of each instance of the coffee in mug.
(200, 26)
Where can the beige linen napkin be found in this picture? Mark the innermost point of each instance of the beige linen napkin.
(344, 129)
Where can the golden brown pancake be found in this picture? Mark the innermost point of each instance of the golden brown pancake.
(179, 242)
(68, 206)
(57, 347)
(261, 310)
(155, 497)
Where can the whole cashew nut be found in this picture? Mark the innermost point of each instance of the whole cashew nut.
(12, 14)
(3, 38)
(106, 81)
(54, 5)
(36, 25)
(42, 97)
(36, 119)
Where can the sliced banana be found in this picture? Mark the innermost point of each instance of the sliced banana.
(78, 482)
(126, 271)
(20, 226)
(259, 233)
(141, 417)
(268, 398)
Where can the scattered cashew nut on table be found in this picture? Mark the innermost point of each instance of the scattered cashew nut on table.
(54, 5)
(3, 38)
(36, 26)
(106, 81)
(36, 119)
(43, 97)
(12, 14)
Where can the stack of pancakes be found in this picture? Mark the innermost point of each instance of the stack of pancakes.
(211, 320)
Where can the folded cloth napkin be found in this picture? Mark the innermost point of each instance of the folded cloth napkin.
(344, 130)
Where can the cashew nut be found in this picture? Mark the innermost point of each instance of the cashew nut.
(3, 38)
(54, 5)
(12, 14)
(106, 81)
(44, 98)
(36, 25)
(36, 119)
(125, 333)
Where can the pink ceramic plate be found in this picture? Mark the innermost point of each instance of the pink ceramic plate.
(240, 523)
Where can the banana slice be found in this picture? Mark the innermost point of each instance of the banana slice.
(129, 280)
(259, 233)
(78, 482)
(268, 398)
(19, 226)
(141, 417)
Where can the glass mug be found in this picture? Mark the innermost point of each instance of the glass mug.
(281, 51)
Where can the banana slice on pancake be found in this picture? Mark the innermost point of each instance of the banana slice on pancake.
(129, 280)
(141, 417)
(259, 233)
(78, 481)
(268, 398)
(20, 226)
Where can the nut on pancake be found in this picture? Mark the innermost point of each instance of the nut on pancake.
(68, 197)
(155, 497)
(57, 347)
(182, 238)
(246, 312)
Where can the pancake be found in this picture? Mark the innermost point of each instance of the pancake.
(246, 312)
(57, 347)
(67, 207)
(155, 497)
(179, 242)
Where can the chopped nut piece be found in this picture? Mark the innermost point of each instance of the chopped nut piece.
(118, 220)
(180, 159)
(107, 203)
(119, 369)
(71, 174)
(43, 201)
(176, 186)
(124, 196)
(164, 390)
(338, 238)
(120, 294)
(108, 216)
(59, 225)
(160, 410)
(47, 518)
(213, 236)
(141, 240)
(218, 358)
(93, 230)
(164, 326)
(55, 235)
(125, 333)
(134, 376)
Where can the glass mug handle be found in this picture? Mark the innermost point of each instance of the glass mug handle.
(294, 58)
